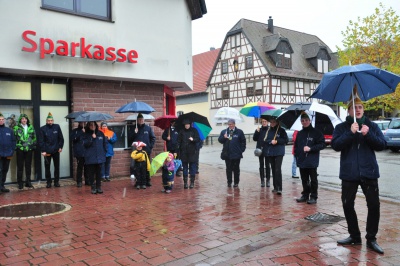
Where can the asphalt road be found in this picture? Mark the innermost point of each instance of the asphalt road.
(328, 170)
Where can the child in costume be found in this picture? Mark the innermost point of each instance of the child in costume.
(168, 173)
(142, 164)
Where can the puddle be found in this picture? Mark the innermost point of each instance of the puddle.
(324, 218)
(32, 210)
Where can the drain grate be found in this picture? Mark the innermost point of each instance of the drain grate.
(324, 218)
(32, 210)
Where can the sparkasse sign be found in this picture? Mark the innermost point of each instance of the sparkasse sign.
(47, 46)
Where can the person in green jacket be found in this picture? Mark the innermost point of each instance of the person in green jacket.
(26, 142)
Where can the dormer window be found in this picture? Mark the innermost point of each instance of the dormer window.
(283, 55)
(317, 55)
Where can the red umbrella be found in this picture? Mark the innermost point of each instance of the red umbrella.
(164, 121)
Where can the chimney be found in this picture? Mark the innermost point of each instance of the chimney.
(212, 48)
(271, 24)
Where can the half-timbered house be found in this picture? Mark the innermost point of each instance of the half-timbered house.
(260, 62)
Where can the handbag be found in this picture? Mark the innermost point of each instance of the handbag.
(225, 152)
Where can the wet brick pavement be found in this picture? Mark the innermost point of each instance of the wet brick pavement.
(208, 225)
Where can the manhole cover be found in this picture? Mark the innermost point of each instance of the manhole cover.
(324, 218)
(32, 210)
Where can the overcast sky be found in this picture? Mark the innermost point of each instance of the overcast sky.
(325, 19)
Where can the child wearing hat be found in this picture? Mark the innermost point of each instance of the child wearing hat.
(142, 164)
(168, 173)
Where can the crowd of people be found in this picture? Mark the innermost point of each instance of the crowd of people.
(357, 139)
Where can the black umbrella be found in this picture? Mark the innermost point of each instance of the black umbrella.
(74, 115)
(198, 121)
(93, 116)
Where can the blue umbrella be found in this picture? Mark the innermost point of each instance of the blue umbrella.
(370, 81)
(136, 107)
(74, 115)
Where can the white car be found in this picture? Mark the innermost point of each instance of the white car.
(383, 125)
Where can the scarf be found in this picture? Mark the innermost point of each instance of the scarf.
(108, 133)
(360, 121)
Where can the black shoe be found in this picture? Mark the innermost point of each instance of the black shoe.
(79, 184)
(268, 183)
(178, 174)
(20, 186)
(99, 191)
(229, 184)
(197, 172)
(303, 198)
(48, 185)
(107, 179)
(274, 190)
(28, 184)
(262, 183)
(137, 187)
(235, 185)
(3, 189)
(185, 186)
(143, 187)
(56, 184)
(312, 201)
(293, 176)
(350, 241)
(148, 184)
(374, 246)
(94, 191)
(279, 192)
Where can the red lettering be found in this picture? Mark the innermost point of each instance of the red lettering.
(122, 56)
(63, 48)
(74, 45)
(46, 49)
(30, 41)
(99, 54)
(110, 52)
(132, 55)
(85, 49)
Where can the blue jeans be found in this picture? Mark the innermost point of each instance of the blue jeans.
(190, 167)
(105, 168)
(294, 166)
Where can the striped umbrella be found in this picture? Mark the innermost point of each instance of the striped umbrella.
(256, 109)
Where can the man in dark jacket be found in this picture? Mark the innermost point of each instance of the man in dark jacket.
(51, 142)
(309, 141)
(79, 154)
(234, 143)
(357, 142)
(145, 134)
(258, 136)
(186, 150)
(95, 144)
(7, 147)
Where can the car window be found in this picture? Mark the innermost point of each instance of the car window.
(395, 124)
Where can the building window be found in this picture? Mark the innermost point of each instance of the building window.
(250, 89)
(283, 55)
(99, 9)
(235, 40)
(307, 90)
(258, 88)
(218, 92)
(292, 87)
(120, 130)
(249, 61)
(225, 92)
(284, 87)
(323, 66)
(224, 67)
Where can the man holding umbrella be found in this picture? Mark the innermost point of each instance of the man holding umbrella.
(145, 134)
(357, 141)
(309, 141)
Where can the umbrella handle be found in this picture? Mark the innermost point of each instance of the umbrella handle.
(354, 109)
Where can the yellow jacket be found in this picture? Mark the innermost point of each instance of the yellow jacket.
(141, 156)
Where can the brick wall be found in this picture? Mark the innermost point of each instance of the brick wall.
(108, 96)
